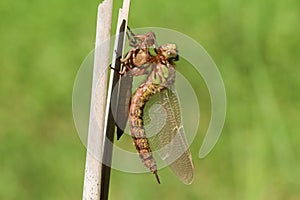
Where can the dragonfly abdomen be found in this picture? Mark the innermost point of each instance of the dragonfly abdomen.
(139, 99)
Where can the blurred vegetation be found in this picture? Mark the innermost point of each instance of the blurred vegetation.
(256, 47)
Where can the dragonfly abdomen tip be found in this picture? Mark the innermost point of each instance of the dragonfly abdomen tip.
(156, 176)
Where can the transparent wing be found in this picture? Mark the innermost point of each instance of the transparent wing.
(162, 120)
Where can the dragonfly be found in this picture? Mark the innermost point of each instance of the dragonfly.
(157, 89)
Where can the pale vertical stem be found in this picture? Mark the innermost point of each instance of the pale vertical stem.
(93, 166)
(109, 120)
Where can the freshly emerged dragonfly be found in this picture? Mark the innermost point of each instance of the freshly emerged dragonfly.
(157, 88)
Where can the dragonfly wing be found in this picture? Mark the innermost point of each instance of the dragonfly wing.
(166, 134)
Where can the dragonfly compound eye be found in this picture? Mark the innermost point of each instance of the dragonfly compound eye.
(169, 51)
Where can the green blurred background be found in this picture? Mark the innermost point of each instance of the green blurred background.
(256, 47)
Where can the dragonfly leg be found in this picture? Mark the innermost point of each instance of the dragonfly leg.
(131, 37)
(129, 30)
(112, 68)
(130, 54)
(122, 72)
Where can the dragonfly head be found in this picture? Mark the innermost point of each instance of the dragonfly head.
(169, 51)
